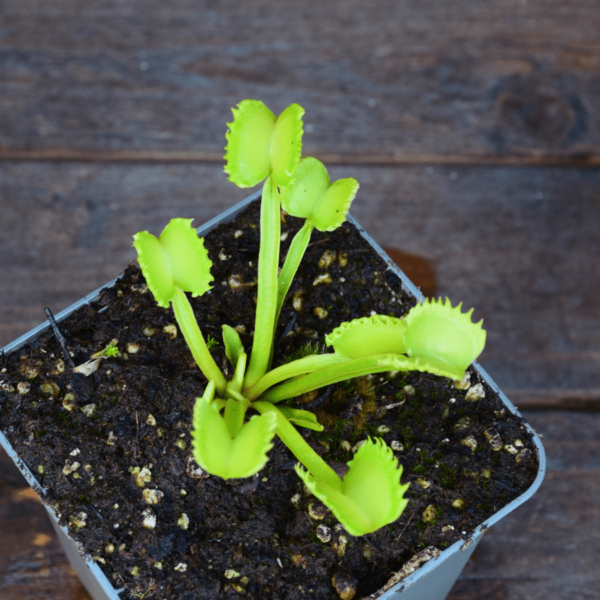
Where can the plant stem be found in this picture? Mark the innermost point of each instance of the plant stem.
(295, 368)
(234, 415)
(268, 264)
(300, 449)
(292, 261)
(237, 381)
(357, 367)
(193, 336)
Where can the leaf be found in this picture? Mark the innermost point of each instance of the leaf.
(219, 454)
(303, 418)
(155, 267)
(370, 495)
(286, 147)
(443, 337)
(334, 205)
(259, 144)
(377, 334)
(311, 182)
(312, 196)
(399, 362)
(248, 150)
(233, 344)
(177, 258)
(188, 257)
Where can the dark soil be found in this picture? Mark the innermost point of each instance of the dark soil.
(255, 537)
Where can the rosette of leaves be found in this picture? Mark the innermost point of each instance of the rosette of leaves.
(433, 337)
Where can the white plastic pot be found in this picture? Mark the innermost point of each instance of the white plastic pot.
(432, 581)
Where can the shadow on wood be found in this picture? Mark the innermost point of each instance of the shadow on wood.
(417, 269)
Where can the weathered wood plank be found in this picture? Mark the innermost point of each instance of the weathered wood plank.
(517, 244)
(32, 563)
(382, 81)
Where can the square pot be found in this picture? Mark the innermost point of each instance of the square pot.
(430, 577)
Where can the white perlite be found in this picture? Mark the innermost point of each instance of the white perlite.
(152, 496)
(358, 445)
(324, 533)
(322, 279)
(183, 522)
(89, 410)
(149, 519)
(170, 330)
(194, 471)
(327, 258)
(23, 387)
(475, 393)
(141, 476)
(463, 384)
(181, 567)
(78, 520)
(70, 467)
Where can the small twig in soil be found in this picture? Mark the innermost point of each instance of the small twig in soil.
(60, 337)
(137, 434)
(288, 328)
(97, 512)
(319, 242)
(112, 560)
(388, 406)
(321, 399)
(407, 524)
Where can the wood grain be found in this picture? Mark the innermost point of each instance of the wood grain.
(32, 563)
(384, 81)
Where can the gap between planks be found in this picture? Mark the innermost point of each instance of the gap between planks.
(553, 399)
(582, 160)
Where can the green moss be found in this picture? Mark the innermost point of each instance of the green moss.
(447, 477)
(308, 349)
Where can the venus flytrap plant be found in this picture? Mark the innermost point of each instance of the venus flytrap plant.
(432, 337)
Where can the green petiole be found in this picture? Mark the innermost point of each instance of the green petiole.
(193, 336)
(300, 449)
(292, 262)
(293, 369)
(347, 369)
(268, 263)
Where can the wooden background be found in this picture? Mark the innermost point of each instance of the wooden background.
(474, 129)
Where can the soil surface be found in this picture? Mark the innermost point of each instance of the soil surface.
(105, 444)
